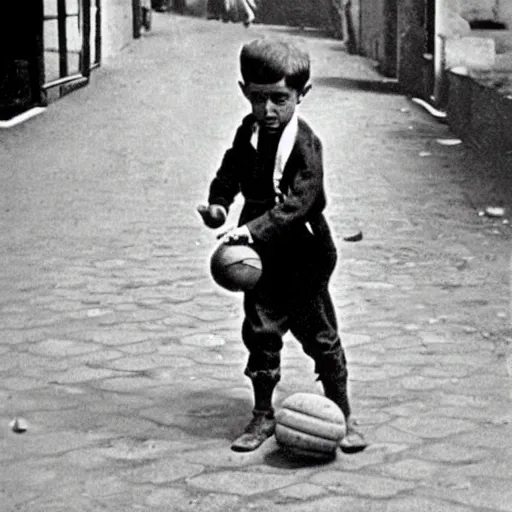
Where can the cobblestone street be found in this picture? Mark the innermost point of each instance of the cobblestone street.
(125, 359)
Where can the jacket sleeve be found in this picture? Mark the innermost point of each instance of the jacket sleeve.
(305, 198)
(226, 183)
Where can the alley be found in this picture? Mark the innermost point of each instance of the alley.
(125, 360)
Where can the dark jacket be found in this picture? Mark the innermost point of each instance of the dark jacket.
(279, 229)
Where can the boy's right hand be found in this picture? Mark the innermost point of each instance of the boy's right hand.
(213, 215)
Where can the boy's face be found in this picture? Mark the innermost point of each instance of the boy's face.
(273, 105)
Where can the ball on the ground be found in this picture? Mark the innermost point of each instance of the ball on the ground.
(310, 425)
(236, 267)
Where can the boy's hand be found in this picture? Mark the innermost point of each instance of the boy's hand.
(213, 215)
(236, 236)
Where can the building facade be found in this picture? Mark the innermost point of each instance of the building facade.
(454, 55)
(57, 43)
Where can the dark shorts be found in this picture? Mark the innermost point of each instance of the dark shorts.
(293, 296)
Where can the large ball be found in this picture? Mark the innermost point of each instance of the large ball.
(236, 267)
(310, 425)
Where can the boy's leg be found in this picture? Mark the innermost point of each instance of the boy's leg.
(263, 423)
(262, 333)
(314, 325)
(248, 8)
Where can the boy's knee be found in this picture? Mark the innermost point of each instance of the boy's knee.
(272, 376)
(331, 366)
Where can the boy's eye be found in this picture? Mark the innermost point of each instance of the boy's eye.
(279, 99)
(276, 99)
(258, 98)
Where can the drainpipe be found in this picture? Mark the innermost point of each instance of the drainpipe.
(438, 55)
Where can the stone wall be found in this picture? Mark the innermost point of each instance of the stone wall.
(495, 10)
(373, 17)
(378, 33)
(306, 13)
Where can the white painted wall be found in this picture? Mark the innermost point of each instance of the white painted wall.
(116, 26)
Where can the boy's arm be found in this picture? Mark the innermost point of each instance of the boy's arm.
(226, 184)
(223, 188)
(306, 196)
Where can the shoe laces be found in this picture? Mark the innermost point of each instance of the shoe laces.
(255, 424)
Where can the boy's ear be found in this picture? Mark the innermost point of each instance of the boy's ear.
(243, 88)
(303, 93)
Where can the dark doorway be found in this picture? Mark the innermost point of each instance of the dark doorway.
(21, 68)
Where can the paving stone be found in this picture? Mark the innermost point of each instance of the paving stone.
(160, 472)
(454, 454)
(419, 504)
(412, 469)
(135, 449)
(435, 427)
(83, 374)
(447, 371)
(368, 485)
(327, 504)
(387, 388)
(184, 502)
(376, 285)
(370, 373)
(125, 384)
(46, 443)
(387, 434)
(418, 382)
(147, 362)
(21, 383)
(498, 467)
(63, 348)
(113, 336)
(350, 339)
(203, 340)
(110, 264)
(303, 491)
(409, 409)
(105, 485)
(85, 458)
(479, 493)
(242, 483)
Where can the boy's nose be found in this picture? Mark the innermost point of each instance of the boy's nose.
(269, 106)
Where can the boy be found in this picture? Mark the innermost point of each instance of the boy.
(276, 163)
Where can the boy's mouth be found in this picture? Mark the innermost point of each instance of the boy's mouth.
(271, 123)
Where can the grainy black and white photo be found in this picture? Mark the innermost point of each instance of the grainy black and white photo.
(255, 255)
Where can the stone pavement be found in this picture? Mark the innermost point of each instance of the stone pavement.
(125, 359)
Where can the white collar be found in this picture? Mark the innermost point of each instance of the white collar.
(284, 148)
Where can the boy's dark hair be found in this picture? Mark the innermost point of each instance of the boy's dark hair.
(266, 61)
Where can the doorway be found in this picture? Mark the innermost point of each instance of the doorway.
(21, 67)
(72, 44)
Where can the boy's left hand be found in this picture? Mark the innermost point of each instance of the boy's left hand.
(236, 236)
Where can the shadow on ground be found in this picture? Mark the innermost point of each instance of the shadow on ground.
(285, 459)
(283, 31)
(352, 84)
(209, 415)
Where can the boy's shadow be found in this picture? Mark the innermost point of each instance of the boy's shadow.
(281, 458)
(216, 416)
(210, 415)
